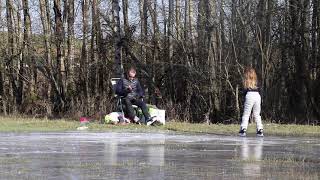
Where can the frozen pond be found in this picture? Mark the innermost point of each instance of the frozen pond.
(84, 155)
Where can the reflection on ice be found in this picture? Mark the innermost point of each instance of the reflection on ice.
(251, 153)
(153, 149)
(144, 155)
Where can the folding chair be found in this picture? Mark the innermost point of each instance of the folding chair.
(119, 104)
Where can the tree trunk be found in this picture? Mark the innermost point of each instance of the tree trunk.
(144, 29)
(125, 16)
(2, 73)
(11, 52)
(102, 58)
(46, 29)
(117, 39)
(1, 20)
(178, 19)
(297, 22)
(305, 58)
(170, 29)
(264, 17)
(314, 42)
(191, 31)
(212, 45)
(49, 28)
(20, 61)
(318, 40)
(185, 32)
(47, 38)
(164, 14)
(59, 37)
(64, 60)
(94, 59)
(237, 103)
(3, 97)
(155, 43)
(156, 34)
(185, 21)
(84, 55)
(70, 43)
(26, 56)
(19, 36)
(202, 42)
(170, 47)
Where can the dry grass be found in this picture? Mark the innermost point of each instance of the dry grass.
(20, 124)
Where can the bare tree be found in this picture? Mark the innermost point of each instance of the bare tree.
(314, 41)
(84, 65)
(11, 50)
(117, 38)
(144, 28)
(46, 29)
(59, 38)
(125, 16)
(169, 45)
(3, 97)
(70, 45)
(27, 49)
(191, 53)
(178, 19)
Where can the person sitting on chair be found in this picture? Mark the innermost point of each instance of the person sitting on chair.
(131, 91)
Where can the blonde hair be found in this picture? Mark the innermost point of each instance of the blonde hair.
(250, 78)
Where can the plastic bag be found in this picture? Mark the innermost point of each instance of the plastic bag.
(115, 118)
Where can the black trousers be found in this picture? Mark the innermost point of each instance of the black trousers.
(129, 111)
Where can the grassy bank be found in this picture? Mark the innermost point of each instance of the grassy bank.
(16, 124)
(232, 129)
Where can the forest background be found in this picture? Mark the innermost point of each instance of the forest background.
(57, 57)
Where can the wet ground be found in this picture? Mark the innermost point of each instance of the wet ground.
(77, 155)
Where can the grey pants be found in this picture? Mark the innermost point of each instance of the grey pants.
(252, 103)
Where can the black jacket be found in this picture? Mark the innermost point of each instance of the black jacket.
(246, 90)
(123, 90)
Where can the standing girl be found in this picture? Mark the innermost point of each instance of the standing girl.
(252, 102)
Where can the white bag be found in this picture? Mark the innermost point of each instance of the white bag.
(160, 115)
(114, 118)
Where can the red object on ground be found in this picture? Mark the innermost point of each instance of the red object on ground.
(84, 119)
